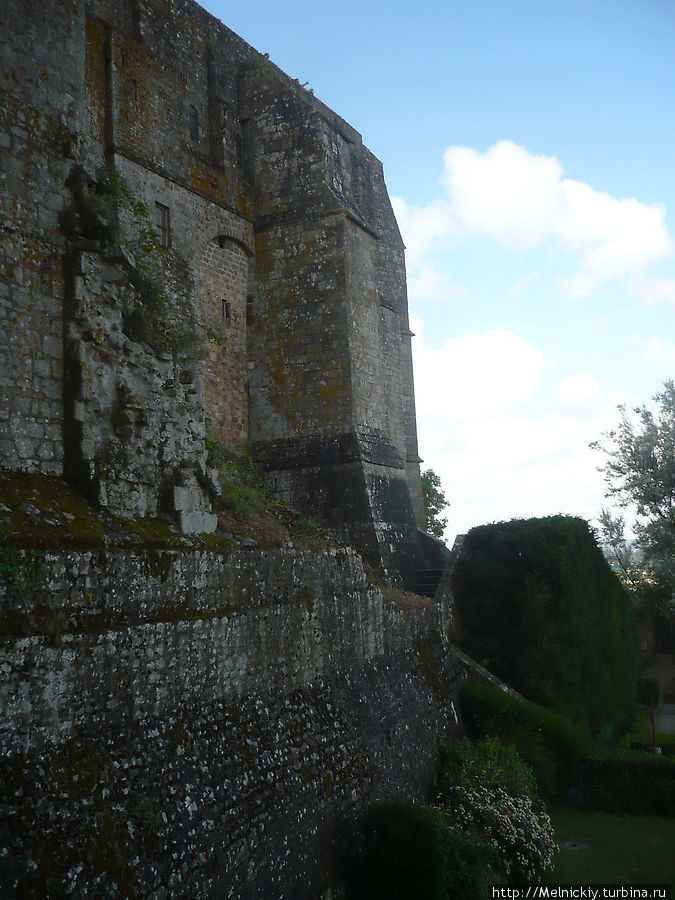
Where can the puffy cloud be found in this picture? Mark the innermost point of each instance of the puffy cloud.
(523, 200)
(578, 393)
(506, 439)
(506, 193)
(487, 373)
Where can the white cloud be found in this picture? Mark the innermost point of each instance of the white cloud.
(422, 226)
(653, 289)
(523, 200)
(577, 393)
(506, 193)
(475, 375)
(506, 440)
(657, 349)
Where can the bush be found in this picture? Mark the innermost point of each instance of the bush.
(468, 866)
(539, 604)
(548, 742)
(408, 851)
(400, 846)
(487, 763)
(517, 827)
(639, 742)
(628, 781)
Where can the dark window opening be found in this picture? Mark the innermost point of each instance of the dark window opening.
(225, 309)
(194, 124)
(134, 89)
(240, 151)
(163, 223)
(221, 241)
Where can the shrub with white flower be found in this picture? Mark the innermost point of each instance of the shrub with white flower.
(518, 827)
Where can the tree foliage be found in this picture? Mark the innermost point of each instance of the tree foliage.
(434, 502)
(640, 475)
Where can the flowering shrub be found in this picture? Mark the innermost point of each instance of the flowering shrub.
(517, 827)
(486, 763)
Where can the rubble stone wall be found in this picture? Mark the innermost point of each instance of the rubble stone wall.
(276, 236)
(207, 724)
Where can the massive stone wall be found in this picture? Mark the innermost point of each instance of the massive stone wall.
(188, 723)
(205, 723)
(276, 235)
(40, 119)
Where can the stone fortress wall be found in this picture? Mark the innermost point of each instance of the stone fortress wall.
(189, 723)
(277, 237)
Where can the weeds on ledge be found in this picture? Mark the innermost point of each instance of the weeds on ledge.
(19, 568)
(247, 506)
(150, 314)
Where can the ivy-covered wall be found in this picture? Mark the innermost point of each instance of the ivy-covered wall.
(539, 605)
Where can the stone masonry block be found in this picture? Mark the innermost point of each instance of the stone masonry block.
(197, 522)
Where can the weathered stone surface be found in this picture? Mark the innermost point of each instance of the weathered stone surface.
(212, 720)
(275, 243)
(193, 245)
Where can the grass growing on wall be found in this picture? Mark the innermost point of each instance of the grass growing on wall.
(246, 506)
(540, 607)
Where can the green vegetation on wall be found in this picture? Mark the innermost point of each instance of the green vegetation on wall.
(548, 742)
(247, 506)
(540, 607)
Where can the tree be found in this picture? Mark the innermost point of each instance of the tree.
(434, 502)
(640, 473)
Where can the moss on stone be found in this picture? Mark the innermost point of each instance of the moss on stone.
(42, 512)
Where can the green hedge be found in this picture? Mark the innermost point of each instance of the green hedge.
(547, 741)
(628, 781)
(485, 763)
(408, 851)
(538, 605)
(665, 741)
(620, 780)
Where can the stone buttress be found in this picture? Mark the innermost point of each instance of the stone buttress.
(276, 264)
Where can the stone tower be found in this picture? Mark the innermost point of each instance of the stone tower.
(275, 237)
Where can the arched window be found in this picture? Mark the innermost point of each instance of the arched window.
(194, 124)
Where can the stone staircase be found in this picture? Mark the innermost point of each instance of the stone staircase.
(427, 581)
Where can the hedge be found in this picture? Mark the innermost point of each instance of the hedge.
(547, 741)
(618, 780)
(540, 607)
(628, 781)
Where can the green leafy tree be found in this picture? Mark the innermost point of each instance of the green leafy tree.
(640, 475)
(434, 502)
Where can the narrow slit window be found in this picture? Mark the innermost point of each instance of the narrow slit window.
(194, 124)
(163, 223)
(225, 309)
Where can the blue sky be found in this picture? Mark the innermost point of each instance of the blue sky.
(529, 149)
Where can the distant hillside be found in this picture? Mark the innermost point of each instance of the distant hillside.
(539, 605)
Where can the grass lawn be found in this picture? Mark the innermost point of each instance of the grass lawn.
(622, 849)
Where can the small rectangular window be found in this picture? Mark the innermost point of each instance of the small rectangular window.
(163, 223)
(225, 309)
(194, 124)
